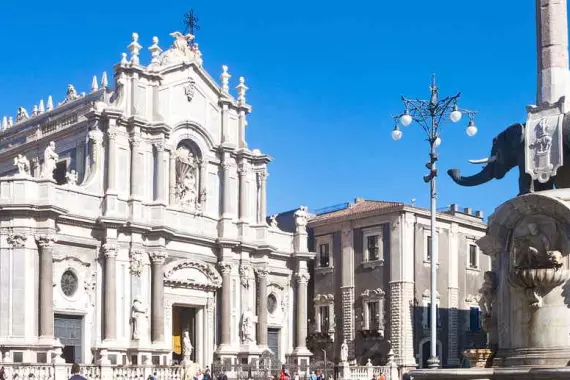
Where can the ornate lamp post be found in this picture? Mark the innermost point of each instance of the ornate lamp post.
(430, 114)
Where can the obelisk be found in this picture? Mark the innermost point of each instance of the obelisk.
(552, 50)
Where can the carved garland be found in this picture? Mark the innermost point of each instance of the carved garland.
(208, 270)
(323, 299)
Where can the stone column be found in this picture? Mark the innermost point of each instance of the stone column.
(172, 178)
(262, 306)
(227, 165)
(552, 50)
(161, 158)
(262, 187)
(243, 204)
(302, 280)
(45, 248)
(157, 296)
(226, 312)
(112, 161)
(110, 319)
(137, 174)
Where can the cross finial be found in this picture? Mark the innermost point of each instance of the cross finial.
(191, 22)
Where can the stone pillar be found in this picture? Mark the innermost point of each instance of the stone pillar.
(552, 50)
(172, 178)
(111, 159)
(161, 158)
(227, 165)
(45, 248)
(157, 296)
(347, 287)
(262, 200)
(302, 280)
(137, 174)
(262, 306)
(110, 319)
(226, 312)
(243, 198)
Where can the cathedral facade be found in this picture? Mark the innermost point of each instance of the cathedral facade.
(134, 228)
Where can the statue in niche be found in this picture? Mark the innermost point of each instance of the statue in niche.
(50, 160)
(535, 248)
(344, 352)
(248, 321)
(186, 346)
(138, 318)
(187, 172)
(23, 165)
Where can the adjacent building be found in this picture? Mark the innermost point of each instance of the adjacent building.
(134, 227)
(371, 282)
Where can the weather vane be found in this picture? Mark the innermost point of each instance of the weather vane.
(191, 22)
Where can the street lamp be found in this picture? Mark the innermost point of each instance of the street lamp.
(430, 114)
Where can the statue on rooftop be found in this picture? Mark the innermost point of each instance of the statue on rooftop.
(71, 94)
(50, 160)
(23, 164)
(22, 114)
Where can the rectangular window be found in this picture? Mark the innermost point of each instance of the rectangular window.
(373, 315)
(428, 248)
(324, 315)
(324, 256)
(474, 319)
(473, 256)
(373, 247)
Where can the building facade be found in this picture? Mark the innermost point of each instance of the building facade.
(371, 282)
(134, 229)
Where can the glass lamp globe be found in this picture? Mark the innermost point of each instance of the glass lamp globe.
(406, 119)
(396, 134)
(471, 129)
(455, 115)
(437, 142)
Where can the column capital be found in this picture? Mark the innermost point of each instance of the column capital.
(112, 133)
(225, 267)
(17, 240)
(44, 241)
(302, 276)
(135, 141)
(159, 146)
(158, 257)
(109, 250)
(262, 271)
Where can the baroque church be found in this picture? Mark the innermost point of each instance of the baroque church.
(134, 226)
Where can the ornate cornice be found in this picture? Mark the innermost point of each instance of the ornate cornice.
(136, 258)
(373, 294)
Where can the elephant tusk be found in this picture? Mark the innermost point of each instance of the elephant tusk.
(484, 160)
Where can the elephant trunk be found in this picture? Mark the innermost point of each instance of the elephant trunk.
(484, 176)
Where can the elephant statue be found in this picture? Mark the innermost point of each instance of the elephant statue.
(507, 152)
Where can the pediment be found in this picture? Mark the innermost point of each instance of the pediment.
(192, 274)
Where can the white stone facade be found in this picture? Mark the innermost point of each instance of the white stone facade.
(146, 217)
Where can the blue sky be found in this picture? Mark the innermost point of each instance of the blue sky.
(324, 79)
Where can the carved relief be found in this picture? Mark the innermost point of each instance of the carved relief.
(190, 89)
(191, 274)
(244, 274)
(136, 257)
(537, 256)
(248, 321)
(488, 293)
(17, 240)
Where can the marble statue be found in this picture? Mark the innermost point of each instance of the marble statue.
(273, 221)
(248, 321)
(138, 318)
(344, 352)
(301, 216)
(71, 94)
(534, 250)
(50, 160)
(186, 346)
(186, 174)
(22, 114)
(23, 165)
(71, 178)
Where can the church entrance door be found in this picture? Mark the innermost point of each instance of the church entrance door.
(273, 342)
(69, 330)
(183, 318)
